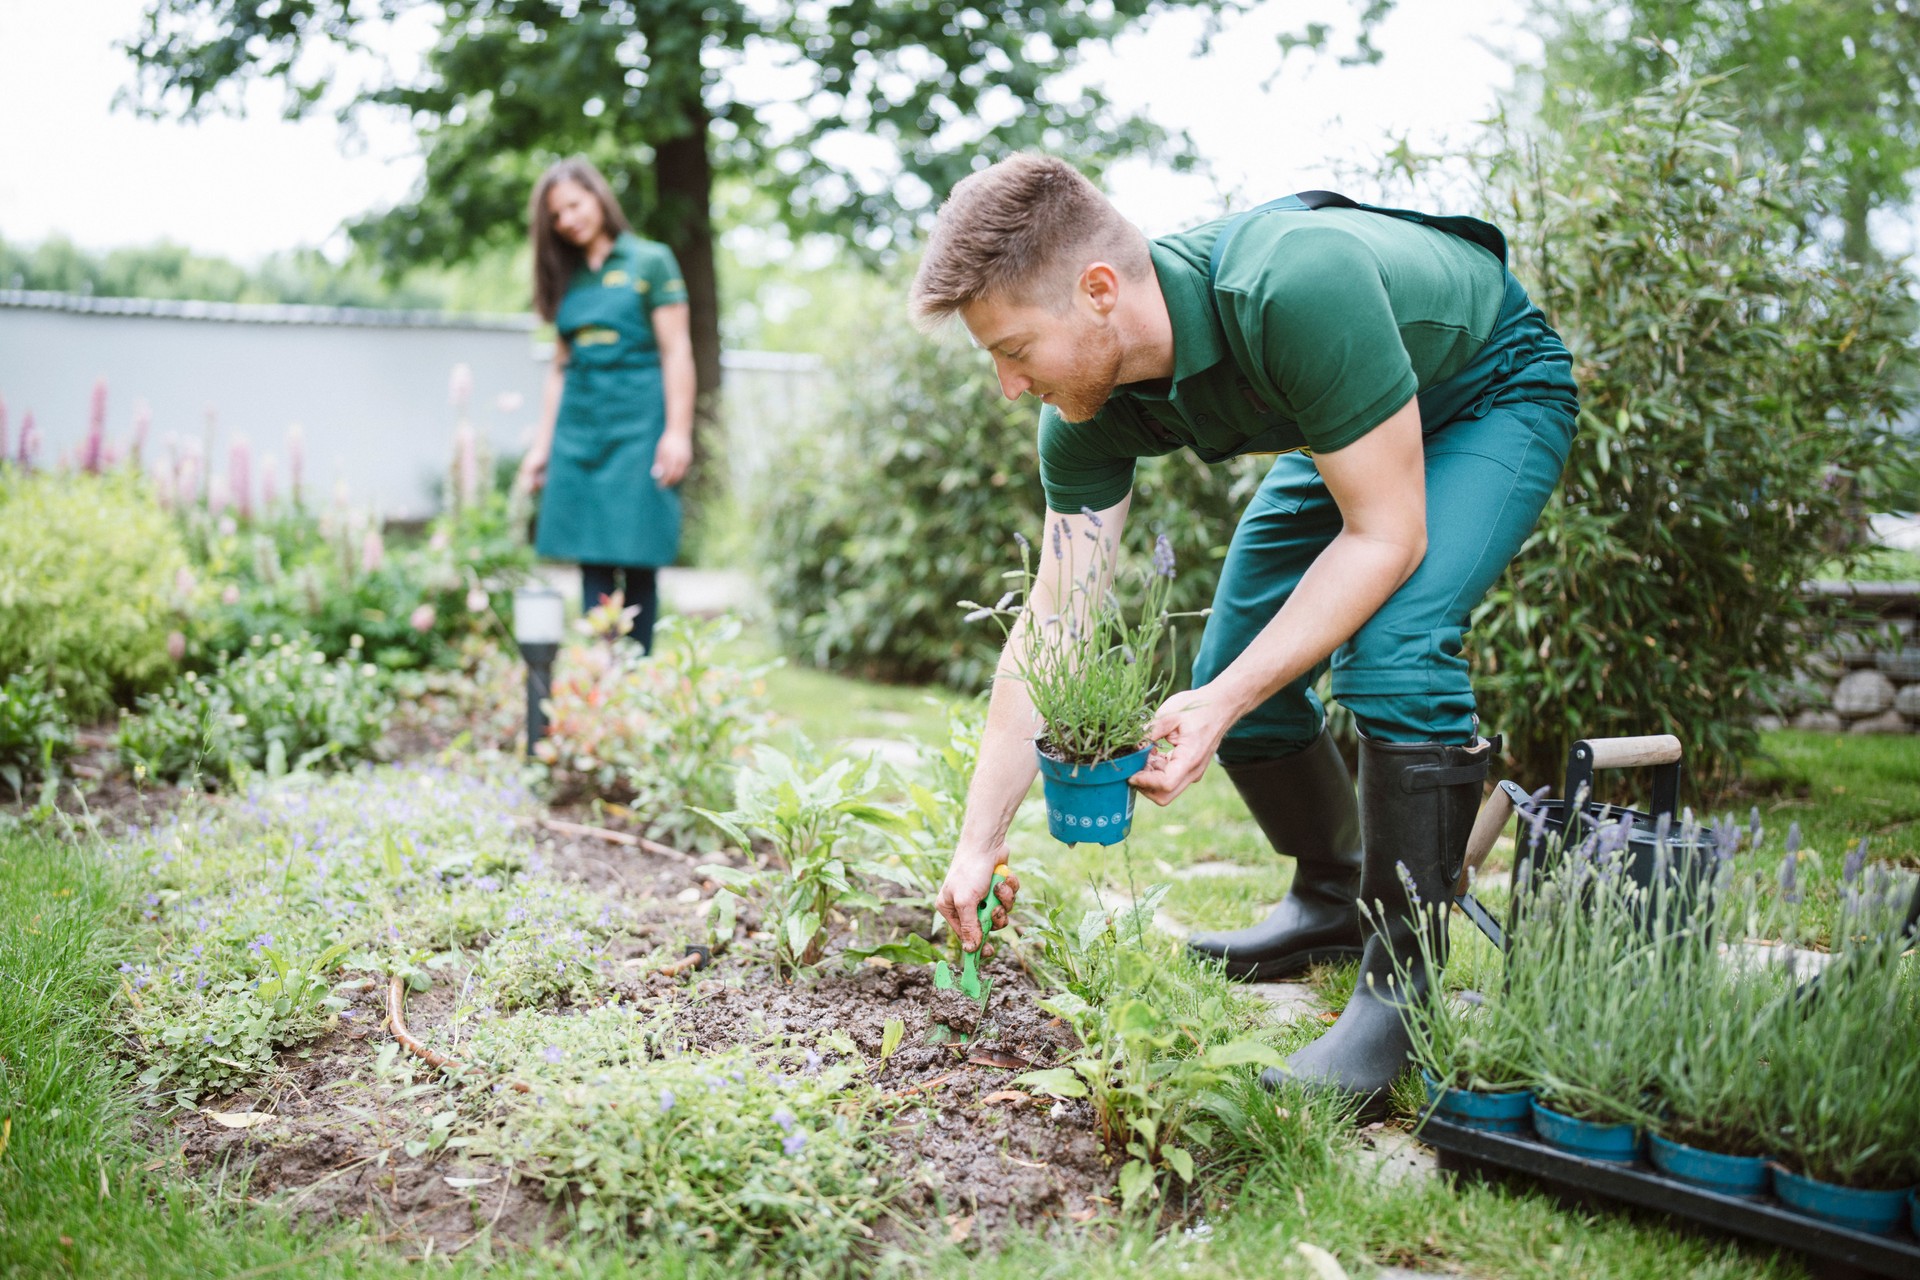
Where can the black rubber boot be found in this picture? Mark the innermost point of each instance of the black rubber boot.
(1304, 803)
(1417, 804)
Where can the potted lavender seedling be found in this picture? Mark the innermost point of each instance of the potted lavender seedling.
(1094, 672)
(1845, 1103)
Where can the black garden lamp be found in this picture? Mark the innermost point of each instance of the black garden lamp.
(539, 624)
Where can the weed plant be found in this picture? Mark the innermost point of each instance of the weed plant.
(1095, 670)
(758, 1156)
(279, 706)
(1161, 1060)
(819, 821)
(35, 733)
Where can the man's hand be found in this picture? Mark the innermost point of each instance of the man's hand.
(959, 902)
(1192, 725)
(671, 458)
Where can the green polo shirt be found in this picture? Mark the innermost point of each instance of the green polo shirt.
(1318, 327)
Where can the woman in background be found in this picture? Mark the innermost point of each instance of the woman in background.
(616, 421)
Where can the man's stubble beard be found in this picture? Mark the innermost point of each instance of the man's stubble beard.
(1096, 358)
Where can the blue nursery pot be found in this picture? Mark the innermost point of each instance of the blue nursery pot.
(1502, 1112)
(1090, 803)
(1875, 1212)
(1729, 1175)
(1612, 1143)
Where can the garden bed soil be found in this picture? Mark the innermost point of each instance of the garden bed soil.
(973, 1153)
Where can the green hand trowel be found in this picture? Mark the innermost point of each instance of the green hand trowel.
(971, 984)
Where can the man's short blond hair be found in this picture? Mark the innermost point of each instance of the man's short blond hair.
(1023, 230)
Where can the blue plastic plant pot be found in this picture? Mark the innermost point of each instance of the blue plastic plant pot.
(1913, 1211)
(1728, 1175)
(1611, 1143)
(1874, 1212)
(1090, 803)
(1502, 1112)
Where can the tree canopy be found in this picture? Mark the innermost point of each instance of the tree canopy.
(854, 117)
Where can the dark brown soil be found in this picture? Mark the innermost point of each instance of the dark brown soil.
(974, 1152)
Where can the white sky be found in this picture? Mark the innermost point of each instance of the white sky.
(71, 164)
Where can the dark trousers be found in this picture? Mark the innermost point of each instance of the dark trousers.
(637, 582)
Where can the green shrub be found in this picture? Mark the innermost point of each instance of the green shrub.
(34, 731)
(411, 604)
(89, 568)
(875, 529)
(658, 733)
(279, 705)
(1733, 388)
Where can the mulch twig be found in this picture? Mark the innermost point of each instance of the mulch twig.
(397, 1023)
(611, 836)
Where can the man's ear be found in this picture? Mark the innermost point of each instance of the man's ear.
(1099, 286)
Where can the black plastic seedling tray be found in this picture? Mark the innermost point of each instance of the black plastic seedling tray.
(1831, 1248)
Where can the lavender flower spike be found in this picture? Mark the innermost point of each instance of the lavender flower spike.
(1088, 512)
(1789, 868)
(1163, 556)
(1406, 881)
(1856, 862)
(1793, 838)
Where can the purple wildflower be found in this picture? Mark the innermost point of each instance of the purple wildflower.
(794, 1143)
(1856, 862)
(784, 1118)
(553, 1053)
(813, 1060)
(1406, 881)
(1163, 556)
(666, 1100)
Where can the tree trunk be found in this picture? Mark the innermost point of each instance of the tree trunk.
(683, 178)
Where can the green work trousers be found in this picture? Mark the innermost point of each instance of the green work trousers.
(1489, 471)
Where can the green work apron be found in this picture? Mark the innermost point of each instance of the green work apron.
(602, 504)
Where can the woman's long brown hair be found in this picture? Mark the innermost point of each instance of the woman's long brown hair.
(555, 258)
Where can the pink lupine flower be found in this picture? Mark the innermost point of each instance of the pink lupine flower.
(231, 595)
(509, 401)
(176, 646)
(240, 476)
(423, 618)
(216, 493)
(92, 448)
(142, 424)
(373, 549)
(185, 584)
(439, 541)
(466, 466)
(460, 387)
(296, 460)
(3, 428)
(29, 441)
(269, 491)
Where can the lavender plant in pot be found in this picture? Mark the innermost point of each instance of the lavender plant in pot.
(1845, 1106)
(1094, 670)
(1579, 967)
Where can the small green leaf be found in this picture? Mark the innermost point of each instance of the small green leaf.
(1178, 1159)
(890, 1037)
(1055, 1082)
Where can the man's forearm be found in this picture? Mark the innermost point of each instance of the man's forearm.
(1004, 770)
(1344, 587)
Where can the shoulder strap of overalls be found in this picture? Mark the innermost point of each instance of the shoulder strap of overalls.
(1484, 234)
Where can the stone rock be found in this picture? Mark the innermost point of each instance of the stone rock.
(1862, 693)
(1907, 702)
(1885, 722)
(1767, 724)
(1904, 665)
(1819, 722)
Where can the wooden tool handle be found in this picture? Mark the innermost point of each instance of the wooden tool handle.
(1631, 753)
(1486, 829)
